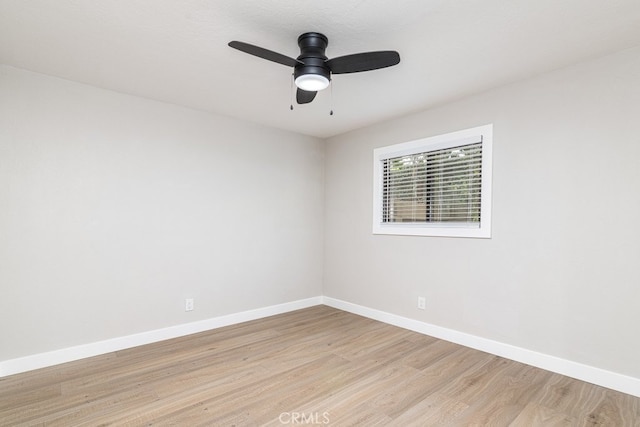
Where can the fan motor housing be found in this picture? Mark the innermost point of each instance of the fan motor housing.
(312, 54)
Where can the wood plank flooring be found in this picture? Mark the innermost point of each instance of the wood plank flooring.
(317, 366)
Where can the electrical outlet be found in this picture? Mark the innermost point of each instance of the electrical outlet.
(422, 303)
(188, 304)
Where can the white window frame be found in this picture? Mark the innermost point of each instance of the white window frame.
(485, 133)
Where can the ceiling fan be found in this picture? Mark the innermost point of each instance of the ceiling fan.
(312, 70)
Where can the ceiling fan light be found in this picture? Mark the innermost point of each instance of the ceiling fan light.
(312, 82)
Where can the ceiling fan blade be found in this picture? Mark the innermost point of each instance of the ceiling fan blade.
(263, 53)
(304, 97)
(365, 61)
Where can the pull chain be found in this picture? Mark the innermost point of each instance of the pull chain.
(291, 106)
(331, 105)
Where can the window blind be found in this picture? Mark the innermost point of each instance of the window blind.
(439, 186)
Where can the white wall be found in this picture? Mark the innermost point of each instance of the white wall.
(113, 209)
(561, 274)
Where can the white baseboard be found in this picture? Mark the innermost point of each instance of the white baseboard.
(42, 360)
(601, 377)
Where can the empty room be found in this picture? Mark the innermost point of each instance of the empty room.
(345, 213)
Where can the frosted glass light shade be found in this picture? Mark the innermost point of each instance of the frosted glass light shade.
(312, 82)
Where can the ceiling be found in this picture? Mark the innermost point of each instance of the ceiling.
(176, 51)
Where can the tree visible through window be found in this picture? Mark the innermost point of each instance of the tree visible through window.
(436, 186)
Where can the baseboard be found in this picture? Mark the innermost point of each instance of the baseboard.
(43, 360)
(601, 377)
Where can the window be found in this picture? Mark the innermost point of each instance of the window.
(438, 186)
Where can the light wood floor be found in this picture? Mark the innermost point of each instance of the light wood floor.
(317, 365)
